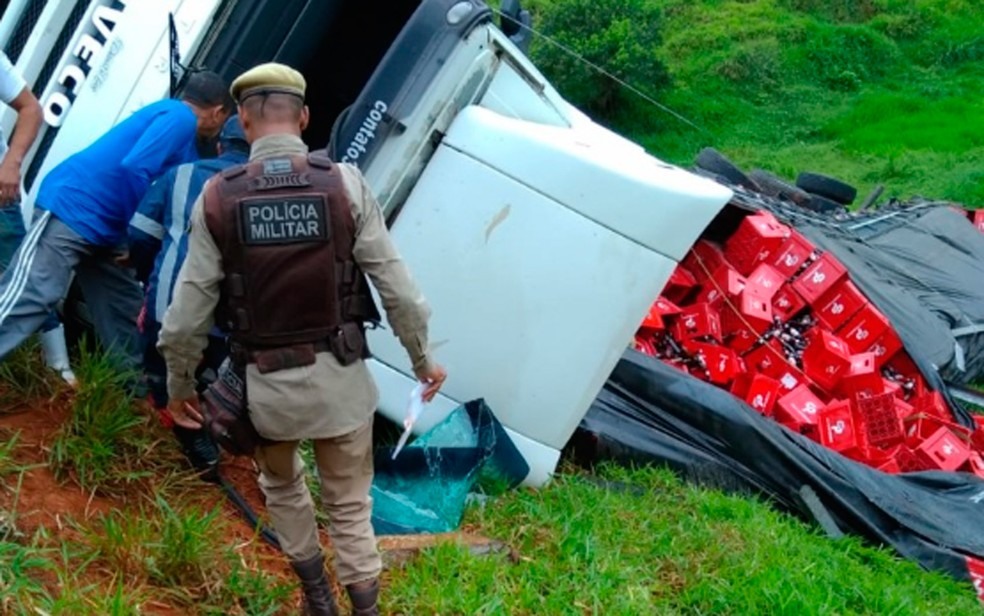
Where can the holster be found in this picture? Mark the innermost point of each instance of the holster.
(226, 413)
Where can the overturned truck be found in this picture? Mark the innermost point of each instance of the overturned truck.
(539, 237)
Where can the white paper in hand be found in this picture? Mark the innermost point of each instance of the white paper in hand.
(415, 406)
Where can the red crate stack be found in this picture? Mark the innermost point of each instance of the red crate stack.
(839, 304)
(864, 328)
(879, 423)
(704, 259)
(944, 450)
(819, 277)
(724, 285)
(799, 409)
(792, 254)
(826, 359)
(781, 325)
(787, 303)
(758, 237)
(836, 427)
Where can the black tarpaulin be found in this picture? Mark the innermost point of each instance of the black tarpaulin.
(651, 412)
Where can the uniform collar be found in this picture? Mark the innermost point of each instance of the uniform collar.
(277, 145)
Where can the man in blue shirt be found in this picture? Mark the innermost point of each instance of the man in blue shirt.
(158, 244)
(84, 207)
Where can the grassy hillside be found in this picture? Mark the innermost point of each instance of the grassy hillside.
(873, 91)
(97, 516)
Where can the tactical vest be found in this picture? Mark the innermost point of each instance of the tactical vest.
(285, 230)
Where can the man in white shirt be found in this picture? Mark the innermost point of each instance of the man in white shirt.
(15, 94)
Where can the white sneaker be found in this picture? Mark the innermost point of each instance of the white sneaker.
(56, 354)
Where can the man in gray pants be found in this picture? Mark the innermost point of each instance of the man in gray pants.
(84, 206)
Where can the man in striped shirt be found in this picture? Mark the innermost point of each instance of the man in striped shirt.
(158, 242)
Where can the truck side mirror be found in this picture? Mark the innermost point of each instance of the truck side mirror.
(515, 23)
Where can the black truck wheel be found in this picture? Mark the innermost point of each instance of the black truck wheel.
(827, 187)
(711, 160)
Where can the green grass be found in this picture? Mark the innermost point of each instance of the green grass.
(871, 91)
(108, 443)
(674, 550)
(23, 377)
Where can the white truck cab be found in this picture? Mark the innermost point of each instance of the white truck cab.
(540, 238)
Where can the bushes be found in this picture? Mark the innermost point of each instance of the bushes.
(623, 36)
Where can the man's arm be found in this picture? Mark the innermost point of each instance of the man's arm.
(146, 231)
(26, 129)
(406, 309)
(169, 134)
(184, 332)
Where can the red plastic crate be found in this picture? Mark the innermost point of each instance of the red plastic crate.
(943, 450)
(680, 284)
(787, 303)
(819, 277)
(799, 409)
(892, 387)
(826, 358)
(768, 359)
(908, 461)
(932, 403)
(903, 409)
(653, 321)
(722, 364)
(703, 259)
(920, 427)
(975, 464)
(835, 427)
(790, 378)
(890, 466)
(877, 420)
(885, 347)
(762, 394)
(644, 345)
(666, 308)
(726, 282)
(742, 340)
(862, 377)
(747, 310)
(766, 281)
(864, 328)
(741, 384)
(758, 237)
(792, 254)
(697, 321)
(839, 304)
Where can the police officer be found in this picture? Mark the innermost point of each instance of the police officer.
(278, 251)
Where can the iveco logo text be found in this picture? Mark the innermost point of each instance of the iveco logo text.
(72, 77)
(367, 132)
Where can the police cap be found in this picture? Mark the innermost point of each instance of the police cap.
(232, 133)
(269, 78)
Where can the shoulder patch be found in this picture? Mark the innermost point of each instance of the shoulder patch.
(276, 166)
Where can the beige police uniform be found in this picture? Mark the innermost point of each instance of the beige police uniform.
(327, 402)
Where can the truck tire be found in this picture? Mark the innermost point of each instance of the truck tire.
(711, 160)
(827, 187)
(774, 186)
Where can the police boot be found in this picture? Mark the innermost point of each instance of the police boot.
(56, 353)
(364, 596)
(318, 600)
